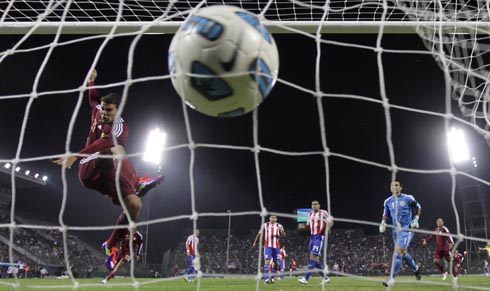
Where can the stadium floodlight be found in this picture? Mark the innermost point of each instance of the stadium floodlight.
(36, 175)
(7, 165)
(457, 146)
(475, 164)
(154, 146)
(45, 178)
(27, 172)
(17, 169)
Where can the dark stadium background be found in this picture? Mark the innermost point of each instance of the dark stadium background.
(226, 179)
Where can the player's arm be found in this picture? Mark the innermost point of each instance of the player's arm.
(97, 146)
(256, 239)
(427, 239)
(329, 223)
(415, 221)
(449, 238)
(382, 225)
(70, 160)
(384, 217)
(93, 95)
(258, 235)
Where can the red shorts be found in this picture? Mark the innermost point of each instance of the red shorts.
(440, 253)
(100, 175)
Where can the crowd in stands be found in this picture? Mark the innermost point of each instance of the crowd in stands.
(354, 251)
(39, 249)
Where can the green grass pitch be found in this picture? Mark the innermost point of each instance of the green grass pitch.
(232, 284)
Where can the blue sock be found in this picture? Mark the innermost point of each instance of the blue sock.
(190, 271)
(397, 264)
(311, 266)
(409, 261)
(319, 266)
(266, 271)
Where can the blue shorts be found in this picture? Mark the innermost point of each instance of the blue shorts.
(316, 244)
(190, 260)
(402, 239)
(273, 254)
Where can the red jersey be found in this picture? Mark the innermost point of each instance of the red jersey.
(272, 232)
(192, 244)
(317, 222)
(293, 265)
(124, 247)
(100, 136)
(458, 259)
(442, 242)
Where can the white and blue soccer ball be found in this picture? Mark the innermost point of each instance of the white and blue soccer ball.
(223, 62)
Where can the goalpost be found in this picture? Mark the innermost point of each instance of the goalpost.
(455, 33)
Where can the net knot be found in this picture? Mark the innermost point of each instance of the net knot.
(264, 212)
(194, 216)
(192, 146)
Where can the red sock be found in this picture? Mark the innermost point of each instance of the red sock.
(440, 267)
(118, 233)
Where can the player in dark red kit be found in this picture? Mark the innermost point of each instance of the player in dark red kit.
(444, 245)
(458, 259)
(124, 253)
(99, 173)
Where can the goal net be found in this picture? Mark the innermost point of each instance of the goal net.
(368, 92)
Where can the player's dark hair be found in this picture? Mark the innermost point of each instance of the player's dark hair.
(399, 182)
(112, 98)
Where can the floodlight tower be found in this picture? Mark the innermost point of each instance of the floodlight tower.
(153, 154)
(475, 205)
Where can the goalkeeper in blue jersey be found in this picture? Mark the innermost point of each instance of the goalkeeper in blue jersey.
(400, 208)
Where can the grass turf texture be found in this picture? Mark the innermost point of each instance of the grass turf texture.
(232, 284)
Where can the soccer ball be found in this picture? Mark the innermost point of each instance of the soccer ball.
(222, 61)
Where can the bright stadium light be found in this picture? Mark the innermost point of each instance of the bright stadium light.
(27, 172)
(7, 165)
(36, 175)
(154, 146)
(475, 164)
(45, 178)
(457, 146)
(17, 169)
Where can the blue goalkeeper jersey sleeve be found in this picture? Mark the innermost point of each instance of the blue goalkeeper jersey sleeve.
(406, 205)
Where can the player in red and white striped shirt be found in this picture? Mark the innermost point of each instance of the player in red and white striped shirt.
(191, 246)
(320, 223)
(272, 231)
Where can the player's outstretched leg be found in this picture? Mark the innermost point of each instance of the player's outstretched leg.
(110, 276)
(110, 259)
(145, 184)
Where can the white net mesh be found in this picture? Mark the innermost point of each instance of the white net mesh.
(346, 97)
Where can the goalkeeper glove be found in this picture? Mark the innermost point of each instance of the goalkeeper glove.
(382, 226)
(415, 222)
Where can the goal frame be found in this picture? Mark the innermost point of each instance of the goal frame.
(330, 27)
